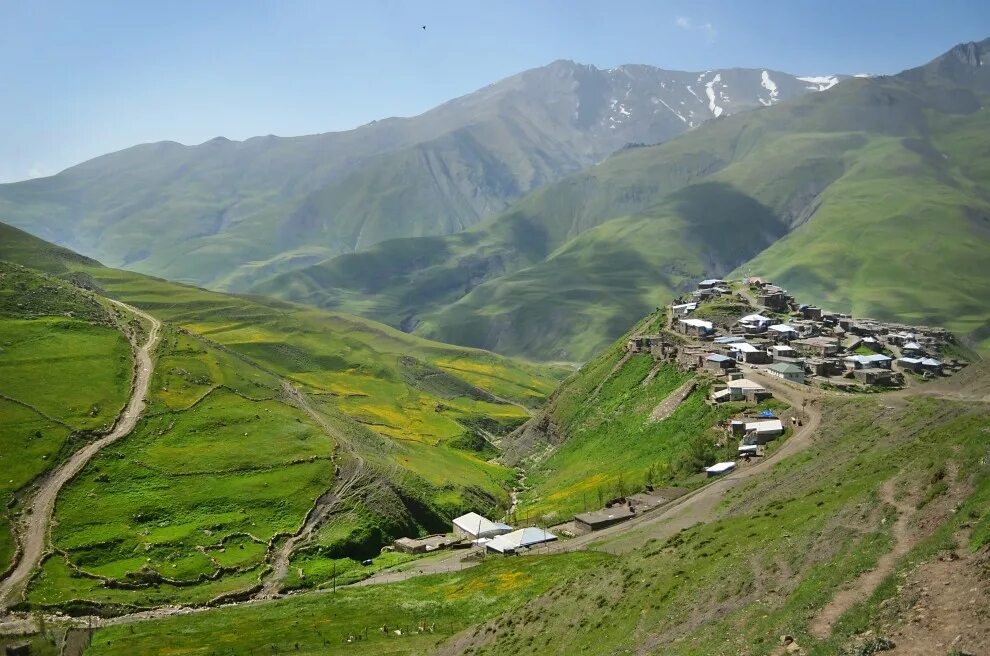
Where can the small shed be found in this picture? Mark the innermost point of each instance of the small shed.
(720, 468)
(599, 519)
(423, 545)
(718, 362)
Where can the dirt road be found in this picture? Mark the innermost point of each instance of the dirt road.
(321, 509)
(864, 586)
(33, 526)
(701, 505)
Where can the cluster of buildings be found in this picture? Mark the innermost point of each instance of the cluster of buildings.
(474, 530)
(794, 342)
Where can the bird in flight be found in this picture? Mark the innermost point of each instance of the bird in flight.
(424, 27)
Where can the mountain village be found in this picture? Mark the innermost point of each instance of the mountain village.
(723, 331)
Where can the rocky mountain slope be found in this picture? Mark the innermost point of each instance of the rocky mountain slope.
(837, 195)
(226, 213)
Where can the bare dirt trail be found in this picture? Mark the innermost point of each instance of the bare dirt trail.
(323, 507)
(33, 527)
(864, 586)
(667, 407)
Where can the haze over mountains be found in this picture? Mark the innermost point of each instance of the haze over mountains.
(839, 196)
(834, 194)
(225, 214)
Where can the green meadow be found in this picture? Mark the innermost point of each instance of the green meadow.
(223, 461)
(785, 544)
(425, 611)
(610, 448)
(62, 380)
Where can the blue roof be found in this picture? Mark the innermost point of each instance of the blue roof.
(715, 357)
(768, 413)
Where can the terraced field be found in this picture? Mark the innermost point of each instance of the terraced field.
(62, 380)
(260, 415)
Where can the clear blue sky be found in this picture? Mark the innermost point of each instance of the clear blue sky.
(78, 79)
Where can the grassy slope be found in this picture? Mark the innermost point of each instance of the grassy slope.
(843, 171)
(788, 542)
(442, 604)
(602, 444)
(62, 379)
(405, 404)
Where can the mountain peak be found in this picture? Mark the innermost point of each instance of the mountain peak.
(974, 53)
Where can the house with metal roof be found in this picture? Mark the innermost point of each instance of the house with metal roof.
(745, 352)
(720, 468)
(787, 371)
(698, 327)
(523, 538)
(874, 360)
(718, 363)
(474, 526)
(599, 519)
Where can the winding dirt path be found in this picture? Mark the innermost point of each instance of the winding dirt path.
(323, 507)
(864, 586)
(33, 526)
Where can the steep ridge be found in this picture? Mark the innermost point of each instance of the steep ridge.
(826, 193)
(226, 213)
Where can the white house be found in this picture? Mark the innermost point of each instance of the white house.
(520, 539)
(755, 321)
(474, 526)
(876, 360)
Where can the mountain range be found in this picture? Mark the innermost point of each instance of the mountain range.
(870, 198)
(225, 214)
(534, 218)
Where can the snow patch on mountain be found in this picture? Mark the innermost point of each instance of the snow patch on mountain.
(770, 86)
(710, 92)
(819, 82)
(676, 113)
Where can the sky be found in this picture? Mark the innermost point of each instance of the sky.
(79, 79)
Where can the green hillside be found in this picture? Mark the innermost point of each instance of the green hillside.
(828, 194)
(65, 374)
(226, 214)
(226, 459)
(895, 486)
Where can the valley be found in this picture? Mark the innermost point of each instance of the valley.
(823, 498)
(814, 193)
(588, 361)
